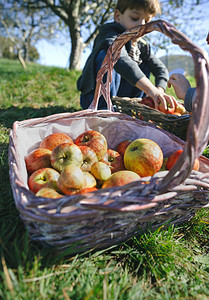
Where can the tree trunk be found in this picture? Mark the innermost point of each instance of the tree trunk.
(20, 58)
(77, 47)
(26, 52)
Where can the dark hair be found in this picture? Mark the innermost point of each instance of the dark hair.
(150, 6)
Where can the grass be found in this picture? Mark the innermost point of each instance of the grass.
(165, 264)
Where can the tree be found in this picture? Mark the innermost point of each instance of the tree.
(188, 16)
(82, 19)
(7, 50)
(24, 26)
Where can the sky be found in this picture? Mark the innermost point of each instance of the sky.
(54, 54)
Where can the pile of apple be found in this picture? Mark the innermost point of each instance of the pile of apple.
(178, 110)
(61, 166)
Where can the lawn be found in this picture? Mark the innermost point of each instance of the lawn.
(165, 264)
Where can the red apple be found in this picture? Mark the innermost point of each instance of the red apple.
(66, 154)
(174, 157)
(55, 139)
(100, 170)
(144, 157)
(89, 158)
(44, 177)
(71, 180)
(94, 140)
(148, 101)
(169, 110)
(37, 159)
(87, 190)
(121, 147)
(48, 192)
(120, 178)
(114, 160)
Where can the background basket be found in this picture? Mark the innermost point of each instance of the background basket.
(109, 216)
(176, 125)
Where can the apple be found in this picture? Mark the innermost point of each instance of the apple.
(48, 192)
(66, 154)
(90, 180)
(180, 109)
(44, 177)
(114, 160)
(176, 113)
(71, 180)
(94, 140)
(172, 159)
(120, 178)
(89, 158)
(100, 170)
(169, 110)
(163, 167)
(144, 157)
(121, 147)
(148, 101)
(55, 139)
(37, 159)
(87, 190)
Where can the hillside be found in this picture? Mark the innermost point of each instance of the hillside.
(179, 61)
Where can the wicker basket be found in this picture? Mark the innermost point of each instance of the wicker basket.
(109, 216)
(176, 125)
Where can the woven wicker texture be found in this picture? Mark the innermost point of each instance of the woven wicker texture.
(110, 216)
(176, 125)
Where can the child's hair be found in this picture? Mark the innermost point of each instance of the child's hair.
(149, 6)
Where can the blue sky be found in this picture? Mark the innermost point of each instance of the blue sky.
(53, 54)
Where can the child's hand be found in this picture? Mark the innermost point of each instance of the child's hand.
(180, 85)
(162, 101)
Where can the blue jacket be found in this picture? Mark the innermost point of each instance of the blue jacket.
(190, 97)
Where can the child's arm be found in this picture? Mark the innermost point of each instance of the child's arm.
(180, 85)
(156, 94)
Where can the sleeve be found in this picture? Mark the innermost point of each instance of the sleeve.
(127, 68)
(159, 70)
(190, 97)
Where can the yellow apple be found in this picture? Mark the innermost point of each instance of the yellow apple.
(100, 170)
(90, 180)
(120, 178)
(144, 157)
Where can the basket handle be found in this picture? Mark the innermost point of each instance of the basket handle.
(198, 130)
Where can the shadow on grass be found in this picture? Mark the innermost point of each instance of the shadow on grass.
(12, 114)
(15, 245)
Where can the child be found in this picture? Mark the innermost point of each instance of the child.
(183, 90)
(131, 72)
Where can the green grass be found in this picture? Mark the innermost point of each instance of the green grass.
(165, 264)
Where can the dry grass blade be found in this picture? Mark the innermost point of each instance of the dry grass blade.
(7, 276)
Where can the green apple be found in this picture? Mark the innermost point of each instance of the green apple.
(71, 180)
(66, 154)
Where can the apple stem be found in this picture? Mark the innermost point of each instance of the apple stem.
(86, 138)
